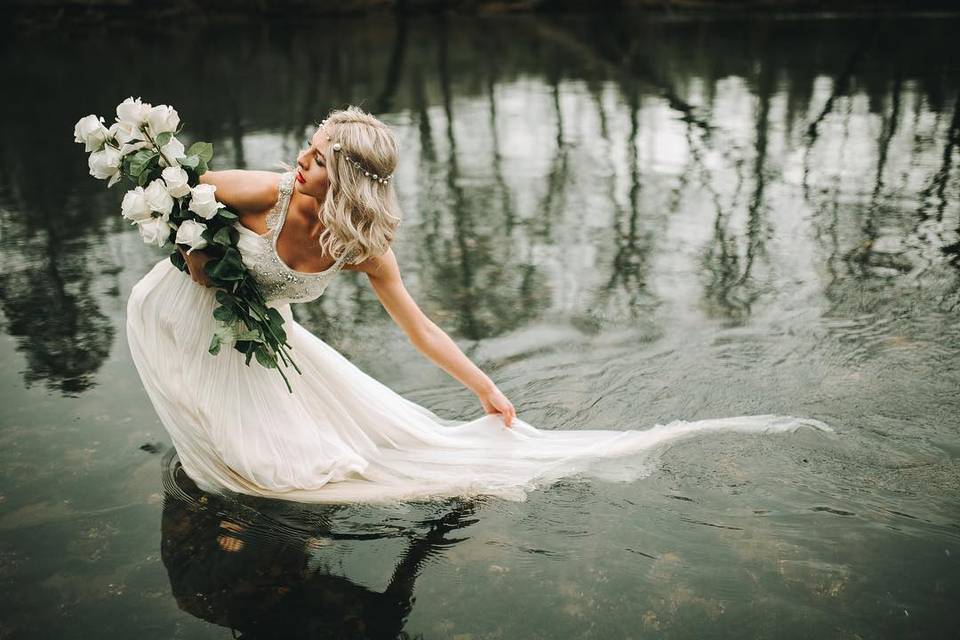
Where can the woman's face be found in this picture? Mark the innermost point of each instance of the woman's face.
(311, 178)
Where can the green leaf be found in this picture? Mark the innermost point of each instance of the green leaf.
(214, 344)
(266, 359)
(274, 315)
(247, 347)
(140, 160)
(252, 335)
(178, 261)
(163, 138)
(222, 237)
(204, 150)
(150, 170)
(227, 300)
(207, 234)
(228, 268)
(225, 314)
(191, 161)
(228, 215)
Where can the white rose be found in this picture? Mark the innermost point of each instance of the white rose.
(158, 198)
(130, 147)
(177, 181)
(125, 132)
(173, 150)
(203, 202)
(105, 164)
(133, 112)
(162, 118)
(90, 130)
(154, 231)
(135, 206)
(190, 232)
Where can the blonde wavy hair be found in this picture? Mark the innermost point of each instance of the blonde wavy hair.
(360, 216)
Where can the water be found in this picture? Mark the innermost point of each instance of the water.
(624, 222)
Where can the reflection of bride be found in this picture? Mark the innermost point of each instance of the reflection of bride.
(342, 435)
(254, 567)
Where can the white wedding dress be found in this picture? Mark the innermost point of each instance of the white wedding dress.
(342, 436)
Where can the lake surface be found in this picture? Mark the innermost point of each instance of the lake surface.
(624, 221)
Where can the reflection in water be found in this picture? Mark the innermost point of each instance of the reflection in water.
(47, 294)
(267, 569)
(529, 195)
(472, 266)
(632, 240)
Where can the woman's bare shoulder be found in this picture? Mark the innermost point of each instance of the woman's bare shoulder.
(244, 191)
(380, 266)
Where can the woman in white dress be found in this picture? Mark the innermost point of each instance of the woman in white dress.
(342, 436)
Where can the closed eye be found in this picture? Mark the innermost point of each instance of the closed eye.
(316, 157)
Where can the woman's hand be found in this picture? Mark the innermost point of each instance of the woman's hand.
(494, 401)
(195, 262)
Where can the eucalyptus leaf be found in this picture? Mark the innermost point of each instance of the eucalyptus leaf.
(214, 344)
(204, 150)
(139, 160)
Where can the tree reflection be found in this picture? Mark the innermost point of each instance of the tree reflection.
(491, 207)
(939, 181)
(471, 268)
(732, 284)
(48, 287)
(54, 316)
(633, 244)
(265, 568)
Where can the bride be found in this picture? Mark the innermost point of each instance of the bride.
(342, 435)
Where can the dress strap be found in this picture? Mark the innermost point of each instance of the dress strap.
(347, 258)
(279, 210)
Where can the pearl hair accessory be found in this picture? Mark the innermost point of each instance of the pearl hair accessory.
(370, 174)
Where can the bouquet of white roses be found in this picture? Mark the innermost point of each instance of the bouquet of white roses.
(168, 203)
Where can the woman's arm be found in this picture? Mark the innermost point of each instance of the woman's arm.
(248, 193)
(196, 259)
(428, 338)
(244, 190)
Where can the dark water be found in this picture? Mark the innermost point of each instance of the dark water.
(624, 222)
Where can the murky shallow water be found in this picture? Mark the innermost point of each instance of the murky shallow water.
(625, 223)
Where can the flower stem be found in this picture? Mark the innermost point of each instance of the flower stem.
(155, 145)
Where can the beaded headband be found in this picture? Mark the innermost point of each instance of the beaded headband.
(370, 174)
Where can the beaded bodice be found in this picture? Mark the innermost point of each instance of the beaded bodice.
(278, 282)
